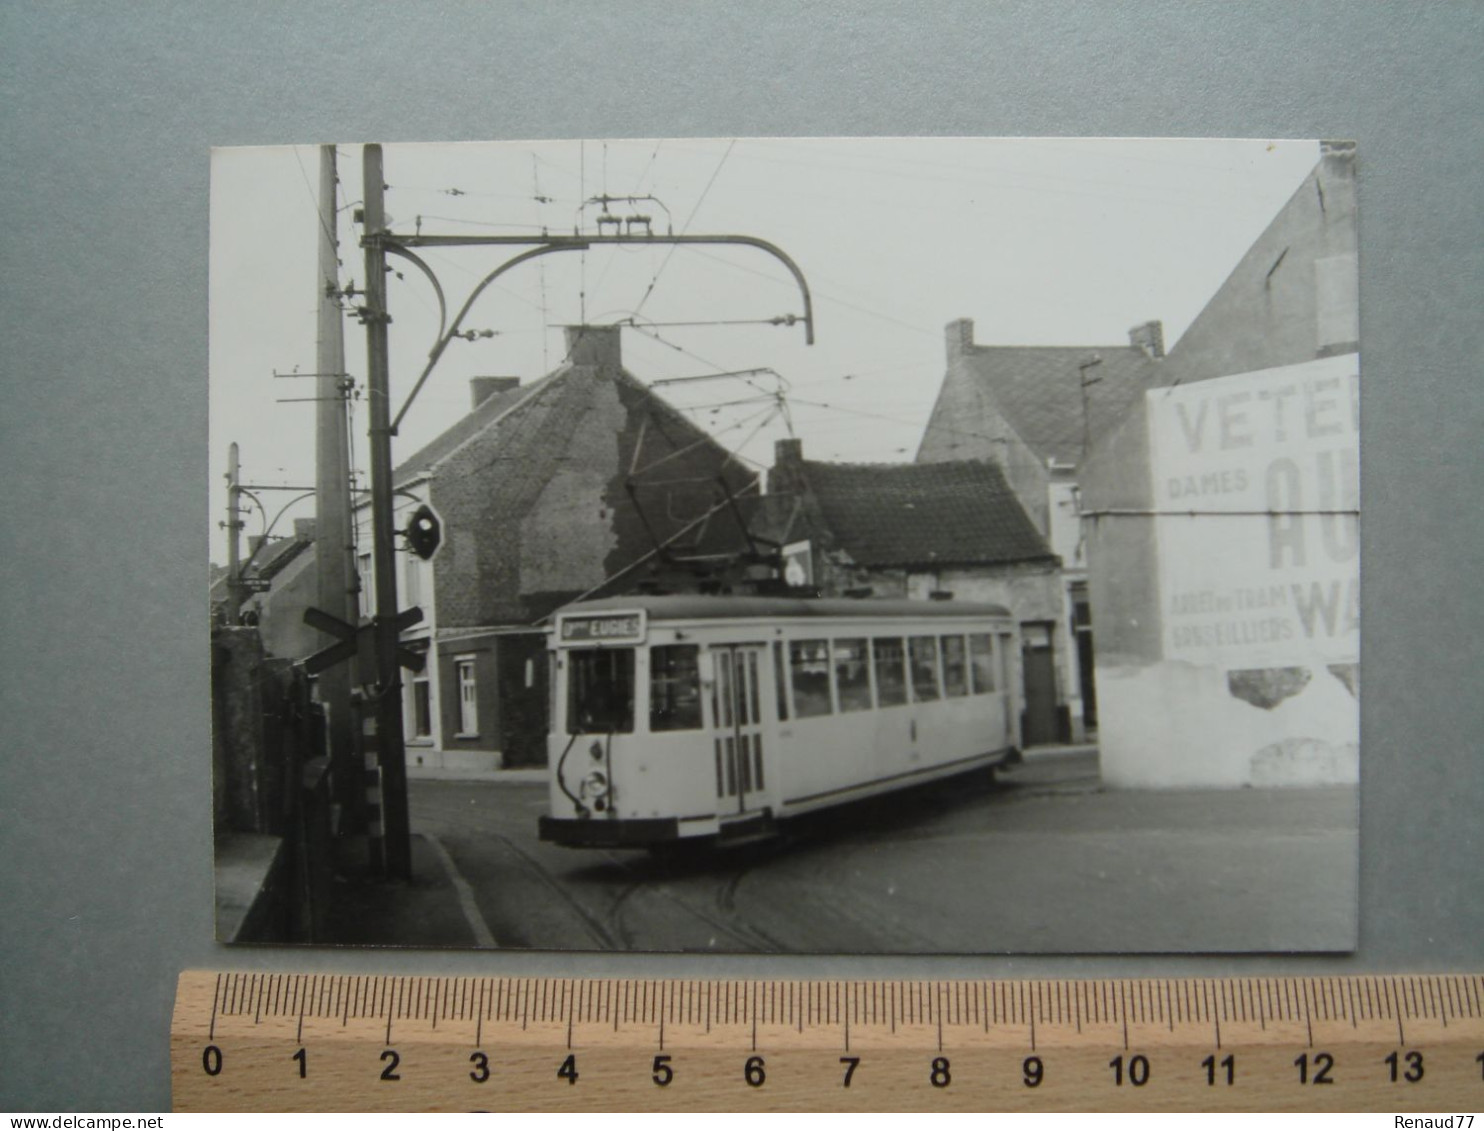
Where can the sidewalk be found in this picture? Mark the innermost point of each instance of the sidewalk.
(366, 910)
(1052, 750)
(524, 774)
(1063, 769)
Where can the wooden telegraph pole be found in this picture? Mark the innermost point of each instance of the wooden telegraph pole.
(333, 540)
(234, 531)
(392, 753)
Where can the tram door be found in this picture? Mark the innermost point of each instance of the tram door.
(737, 738)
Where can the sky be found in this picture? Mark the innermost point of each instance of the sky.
(1040, 242)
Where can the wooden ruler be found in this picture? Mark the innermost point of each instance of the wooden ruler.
(289, 1042)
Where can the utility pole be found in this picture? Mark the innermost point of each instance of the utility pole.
(378, 243)
(333, 541)
(234, 529)
(392, 753)
(1086, 383)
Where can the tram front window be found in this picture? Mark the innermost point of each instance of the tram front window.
(600, 691)
(674, 687)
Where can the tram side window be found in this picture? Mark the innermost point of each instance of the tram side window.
(600, 691)
(981, 662)
(778, 682)
(891, 672)
(809, 665)
(955, 675)
(674, 687)
(924, 653)
(853, 674)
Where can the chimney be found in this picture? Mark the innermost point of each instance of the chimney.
(597, 346)
(1335, 181)
(1337, 155)
(304, 529)
(786, 476)
(1149, 337)
(482, 389)
(960, 337)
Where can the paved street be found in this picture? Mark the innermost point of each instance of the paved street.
(1043, 860)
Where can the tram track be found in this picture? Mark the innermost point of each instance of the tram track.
(594, 925)
(724, 921)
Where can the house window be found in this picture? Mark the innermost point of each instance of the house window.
(412, 592)
(422, 706)
(1337, 303)
(463, 669)
(368, 590)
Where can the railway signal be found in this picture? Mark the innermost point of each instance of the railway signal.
(424, 532)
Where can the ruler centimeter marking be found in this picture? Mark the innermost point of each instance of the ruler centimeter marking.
(243, 1041)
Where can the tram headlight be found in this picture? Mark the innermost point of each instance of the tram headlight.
(595, 785)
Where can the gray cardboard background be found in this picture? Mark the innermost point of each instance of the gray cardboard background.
(106, 116)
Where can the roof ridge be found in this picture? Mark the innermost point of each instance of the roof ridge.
(405, 469)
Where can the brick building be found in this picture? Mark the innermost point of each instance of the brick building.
(1032, 411)
(1222, 516)
(280, 572)
(546, 492)
(946, 529)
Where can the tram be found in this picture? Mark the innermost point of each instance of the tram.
(683, 717)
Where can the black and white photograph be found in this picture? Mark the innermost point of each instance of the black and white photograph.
(786, 545)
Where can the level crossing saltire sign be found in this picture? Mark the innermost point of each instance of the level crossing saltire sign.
(1257, 508)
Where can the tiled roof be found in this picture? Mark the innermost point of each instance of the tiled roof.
(1037, 390)
(273, 558)
(267, 563)
(542, 493)
(958, 513)
(768, 518)
(465, 428)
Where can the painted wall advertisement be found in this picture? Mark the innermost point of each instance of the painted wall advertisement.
(1257, 494)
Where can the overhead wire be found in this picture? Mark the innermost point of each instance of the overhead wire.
(538, 199)
(685, 228)
(313, 196)
(720, 370)
(640, 184)
(818, 295)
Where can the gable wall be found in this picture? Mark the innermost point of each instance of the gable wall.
(1176, 722)
(967, 424)
(536, 509)
(1290, 298)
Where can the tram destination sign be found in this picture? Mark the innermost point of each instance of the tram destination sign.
(601, 628)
